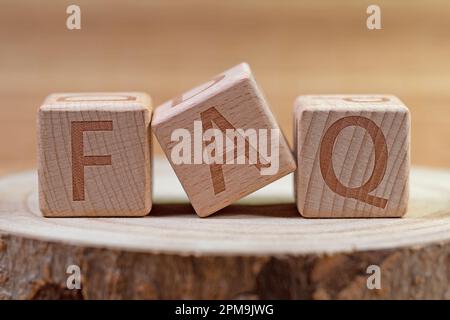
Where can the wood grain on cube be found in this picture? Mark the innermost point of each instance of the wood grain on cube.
(231, 100)
(353, 156)
(95, 154)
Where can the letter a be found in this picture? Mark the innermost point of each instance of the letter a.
(374, 280)
(208, 117)
(74, 20)
(74, 280)
(374, 20)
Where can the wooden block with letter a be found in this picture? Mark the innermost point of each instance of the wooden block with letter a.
(352, 156)
(95, 154)
(222, 140)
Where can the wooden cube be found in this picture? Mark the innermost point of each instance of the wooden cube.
(95, 154)
(222, 140)
(352, 156)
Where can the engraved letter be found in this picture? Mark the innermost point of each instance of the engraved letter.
(381, 154)
(79, 160)
(208, 117)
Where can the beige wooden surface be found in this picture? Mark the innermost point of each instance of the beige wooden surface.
(264, 223)
(167, 47)
(258, 248)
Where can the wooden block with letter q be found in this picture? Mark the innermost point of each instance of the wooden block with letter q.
(353, 156)
(95, 154)
(222, 140)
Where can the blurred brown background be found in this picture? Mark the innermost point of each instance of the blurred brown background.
(165, 47)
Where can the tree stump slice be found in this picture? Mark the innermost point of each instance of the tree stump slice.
(259, 248)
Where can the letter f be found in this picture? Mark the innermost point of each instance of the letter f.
(79, 160)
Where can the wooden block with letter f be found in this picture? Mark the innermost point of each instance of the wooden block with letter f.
(222, 140)
(95, 154)
(352, 156)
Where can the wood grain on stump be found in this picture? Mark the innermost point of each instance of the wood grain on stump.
(258, 248)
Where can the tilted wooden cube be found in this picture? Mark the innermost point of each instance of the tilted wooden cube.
(95, 154)
(353, 156)
(222, 140)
